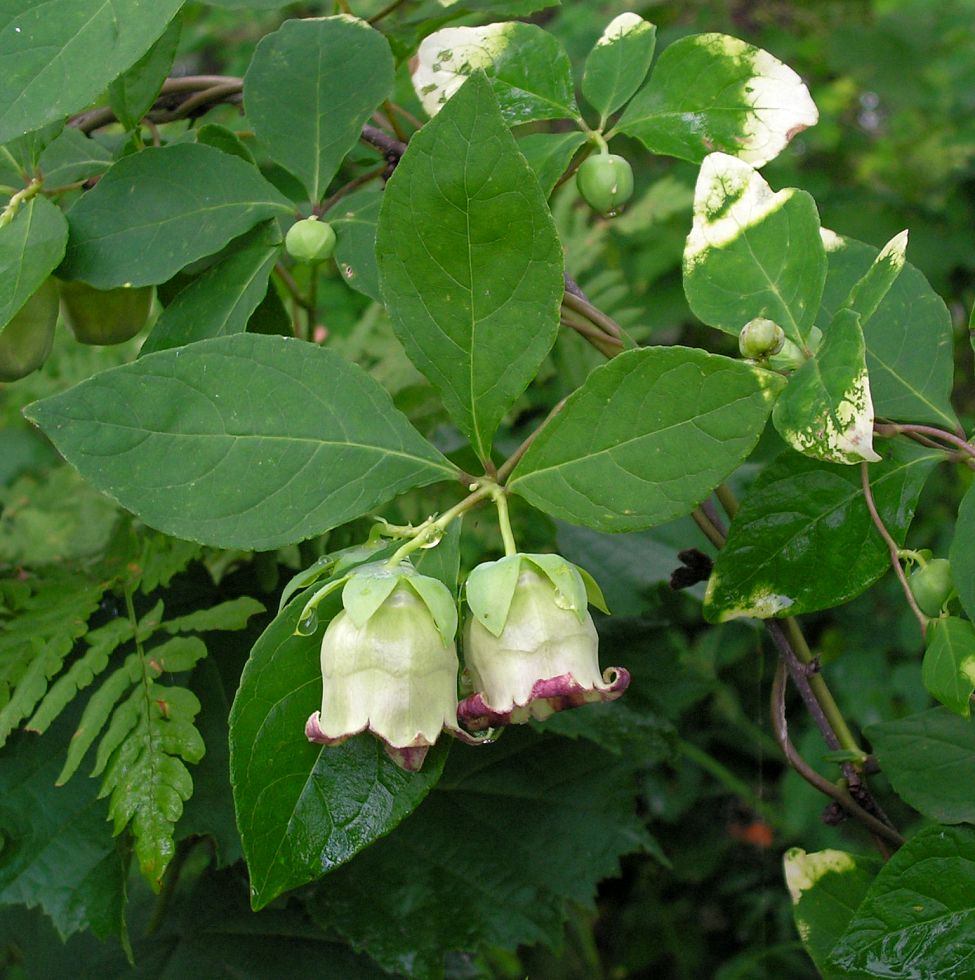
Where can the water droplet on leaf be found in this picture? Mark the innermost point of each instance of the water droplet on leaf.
(308, 624)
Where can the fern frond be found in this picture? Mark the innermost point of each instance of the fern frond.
(36, 639)
(147, 778)
(102, 642)
(231, 615)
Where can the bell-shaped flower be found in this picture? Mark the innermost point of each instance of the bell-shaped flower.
(389, 664)
(530, 646)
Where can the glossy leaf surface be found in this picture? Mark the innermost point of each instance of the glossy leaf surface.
(962, 553)
(309, 442)
(801, 514)
(918, 916)
(304, 809)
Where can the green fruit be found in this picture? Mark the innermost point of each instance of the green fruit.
(760, 338)
(605, 181)
(27, 339)
(104, 316)
(310, 241)
(932, 585)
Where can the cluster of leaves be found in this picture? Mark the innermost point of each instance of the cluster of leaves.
(230, 431)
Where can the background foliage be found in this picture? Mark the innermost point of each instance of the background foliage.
(639, 839)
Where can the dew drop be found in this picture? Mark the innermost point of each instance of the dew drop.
(562, 600)
(434, 537)
(308, 624)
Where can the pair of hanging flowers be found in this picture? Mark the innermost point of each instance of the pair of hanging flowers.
(390, 665)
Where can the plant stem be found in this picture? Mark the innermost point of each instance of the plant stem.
(582, 306)
(817, 684)
(727, 499)
(21, 197)
(896, 428)
(434, 528)
(352, 185)
(512, 461)
(891, 547)
(842, 796)
(607, 346)
(710, 531)
(504, 521)
(392, 148)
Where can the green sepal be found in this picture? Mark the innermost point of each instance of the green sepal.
(490, 589)
(440, 601)
(366, 589)
(593, 592)
(570, 589)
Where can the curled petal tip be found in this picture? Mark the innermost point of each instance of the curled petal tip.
(548, 695)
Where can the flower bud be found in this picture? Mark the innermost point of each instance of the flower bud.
(605, 181)
(530, 645)
(310, 240)
(760, 338)
(388, 667)
(932, 586)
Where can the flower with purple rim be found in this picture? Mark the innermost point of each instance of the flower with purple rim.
(389, 665)
(530, 646)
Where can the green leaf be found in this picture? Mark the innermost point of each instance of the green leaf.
(826, 888)
(470, 262)
(617, 65)
(802, 515)
(522, 828)
(526, 66)
(929, 759)
(310, 87)
(36, 639)
(240, 442)
(24, 152)
(132, 94)
(549, 155)
(193, 199)
(713, 92)
(962, 553)
(73, 156)
(948, 669)
(102, 642)
(233, 614)
(870, 291)
(213, 134)
(911, 370)
(304, 809)
(826, 411)
(673, 423)
(918, 916)
(31, 245)
(222, 299)
(751, 252)
(354, 219)
(58, 851)
(55, 65)
(146, 775)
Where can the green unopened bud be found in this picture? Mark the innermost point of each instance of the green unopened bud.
(530, 646)
(932, 586)
(605, 181)
(760, 339)
(310, 240)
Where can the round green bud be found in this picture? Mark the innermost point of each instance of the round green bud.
(310, 240)
(760, 338)
(27, 339)
(605, 181)
(104, 316)
(932, 585)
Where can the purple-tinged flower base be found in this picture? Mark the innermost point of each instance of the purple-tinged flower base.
(408, 757)
(547, 696)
